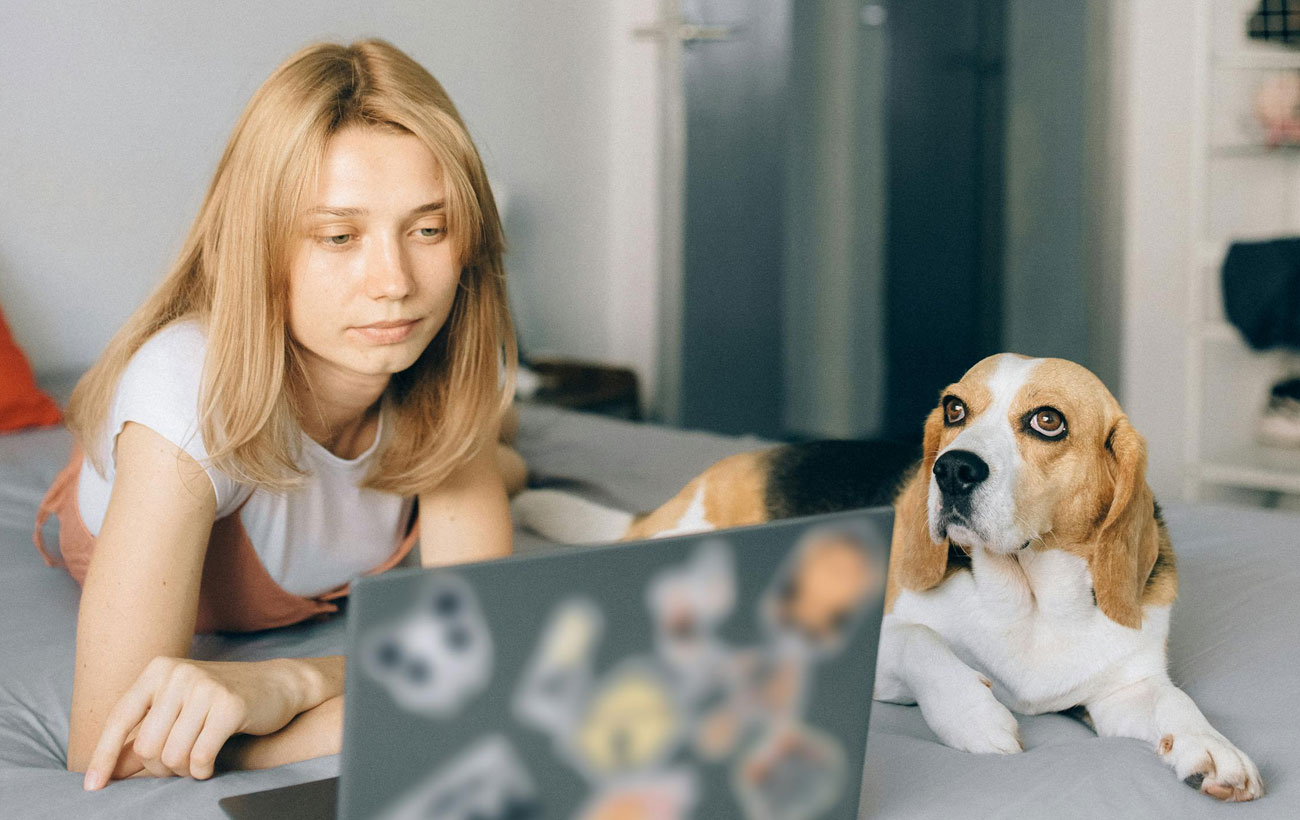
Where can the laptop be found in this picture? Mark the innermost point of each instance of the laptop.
(718, 675)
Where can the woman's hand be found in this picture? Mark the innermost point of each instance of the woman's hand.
(179, 713)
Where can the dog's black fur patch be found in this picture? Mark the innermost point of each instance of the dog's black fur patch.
(831, 476)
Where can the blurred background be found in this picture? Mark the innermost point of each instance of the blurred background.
(786, 218)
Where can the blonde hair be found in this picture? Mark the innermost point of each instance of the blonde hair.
(232, 274)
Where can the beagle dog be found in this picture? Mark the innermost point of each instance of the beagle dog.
(1030, 568)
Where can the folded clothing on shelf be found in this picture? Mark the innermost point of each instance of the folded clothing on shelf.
(1279, 425)
(1261, 291)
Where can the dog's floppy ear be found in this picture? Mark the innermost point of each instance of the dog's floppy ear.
(1128, 539)
(921, 562)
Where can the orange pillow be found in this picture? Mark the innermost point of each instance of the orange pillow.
(22, 404)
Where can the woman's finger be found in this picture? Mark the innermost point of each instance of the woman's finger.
(129, 764)
(157, 768)
(157, 724)
(150, 767)
(125, 715)
(176, 753)
(220, 726)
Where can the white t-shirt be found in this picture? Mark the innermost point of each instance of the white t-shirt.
(311, 539)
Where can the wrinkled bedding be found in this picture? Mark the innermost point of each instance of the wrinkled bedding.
(1235, 647)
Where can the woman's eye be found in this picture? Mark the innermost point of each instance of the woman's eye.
(1048, 421)
(337, 239)
(432, 233)
(954, 411)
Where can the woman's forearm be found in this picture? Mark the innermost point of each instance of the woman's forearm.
(314, 733)
(318, 679)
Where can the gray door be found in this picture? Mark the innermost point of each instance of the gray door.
(732, 240)
(774, 325)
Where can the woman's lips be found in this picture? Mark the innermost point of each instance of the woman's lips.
(386, 333)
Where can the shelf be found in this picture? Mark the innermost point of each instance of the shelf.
(1212, 254)
(1262, 61)
(1282, 150)
(1220, 332)
(1245, 190)
(1255, 478)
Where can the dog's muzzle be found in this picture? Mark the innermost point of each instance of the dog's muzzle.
(958, 474)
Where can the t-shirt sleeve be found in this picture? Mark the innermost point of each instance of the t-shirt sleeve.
(160, 390)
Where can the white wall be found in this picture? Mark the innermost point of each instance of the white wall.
(1154, 84)
(113, 116)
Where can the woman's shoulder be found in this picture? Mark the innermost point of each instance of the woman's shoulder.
(180, 345)
(161, 384)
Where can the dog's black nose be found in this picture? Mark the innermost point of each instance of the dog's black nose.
(959, 471)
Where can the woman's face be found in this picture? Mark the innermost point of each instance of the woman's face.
(372, 275)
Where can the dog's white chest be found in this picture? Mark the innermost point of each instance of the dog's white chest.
(1030, 622)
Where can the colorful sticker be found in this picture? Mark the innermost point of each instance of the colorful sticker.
(822, 591)
(765, 688)
(795, 773)
(661, 796)
(688, 603)
(558, 678)
(633, 722)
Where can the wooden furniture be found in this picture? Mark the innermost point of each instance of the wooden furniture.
(587, 386)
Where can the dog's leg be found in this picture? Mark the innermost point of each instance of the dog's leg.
(916, 666)
(1157, 712)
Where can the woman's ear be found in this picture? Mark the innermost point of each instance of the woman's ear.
(918, 562)
(1128, 540)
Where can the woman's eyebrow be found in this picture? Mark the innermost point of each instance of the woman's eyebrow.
(326, 210)
(329, 210)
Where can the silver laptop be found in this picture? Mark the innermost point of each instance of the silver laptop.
(717, 675)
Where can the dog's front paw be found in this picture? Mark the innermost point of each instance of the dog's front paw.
(970, 719)
(1209, 762)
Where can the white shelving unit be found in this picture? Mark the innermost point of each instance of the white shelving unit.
(1241, 189)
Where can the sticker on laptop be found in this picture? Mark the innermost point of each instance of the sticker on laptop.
(764, 688)
(558, 678)
(486, 782)
(437, 657)
(632, 722)
(795, 773)
(667, 795)
(823, 590)
(687, 605)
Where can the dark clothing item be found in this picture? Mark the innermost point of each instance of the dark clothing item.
(1261, 292)
(1276, 21)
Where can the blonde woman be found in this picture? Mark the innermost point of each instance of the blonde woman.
(324, 359)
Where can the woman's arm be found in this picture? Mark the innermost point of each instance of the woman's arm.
(136, 703)
(467, 517)
(314, 733)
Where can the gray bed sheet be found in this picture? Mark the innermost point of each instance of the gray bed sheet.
(1235, 648)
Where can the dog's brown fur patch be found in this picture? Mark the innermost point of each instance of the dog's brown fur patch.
(734, 496)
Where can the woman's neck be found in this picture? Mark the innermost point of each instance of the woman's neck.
(341, 412)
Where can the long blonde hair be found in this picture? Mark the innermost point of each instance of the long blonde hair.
(232, 275)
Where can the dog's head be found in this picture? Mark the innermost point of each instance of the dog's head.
(1032, 453)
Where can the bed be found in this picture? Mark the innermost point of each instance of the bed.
(1235, 647)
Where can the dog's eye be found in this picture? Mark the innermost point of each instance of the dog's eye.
(954, 410)
(1048, 421)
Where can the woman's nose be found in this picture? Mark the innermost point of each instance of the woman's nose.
(387, 272)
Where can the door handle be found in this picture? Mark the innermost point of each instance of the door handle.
(684, 32)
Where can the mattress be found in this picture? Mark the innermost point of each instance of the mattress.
(1234, 647)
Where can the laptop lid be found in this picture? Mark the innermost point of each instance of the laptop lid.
(716, 675)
